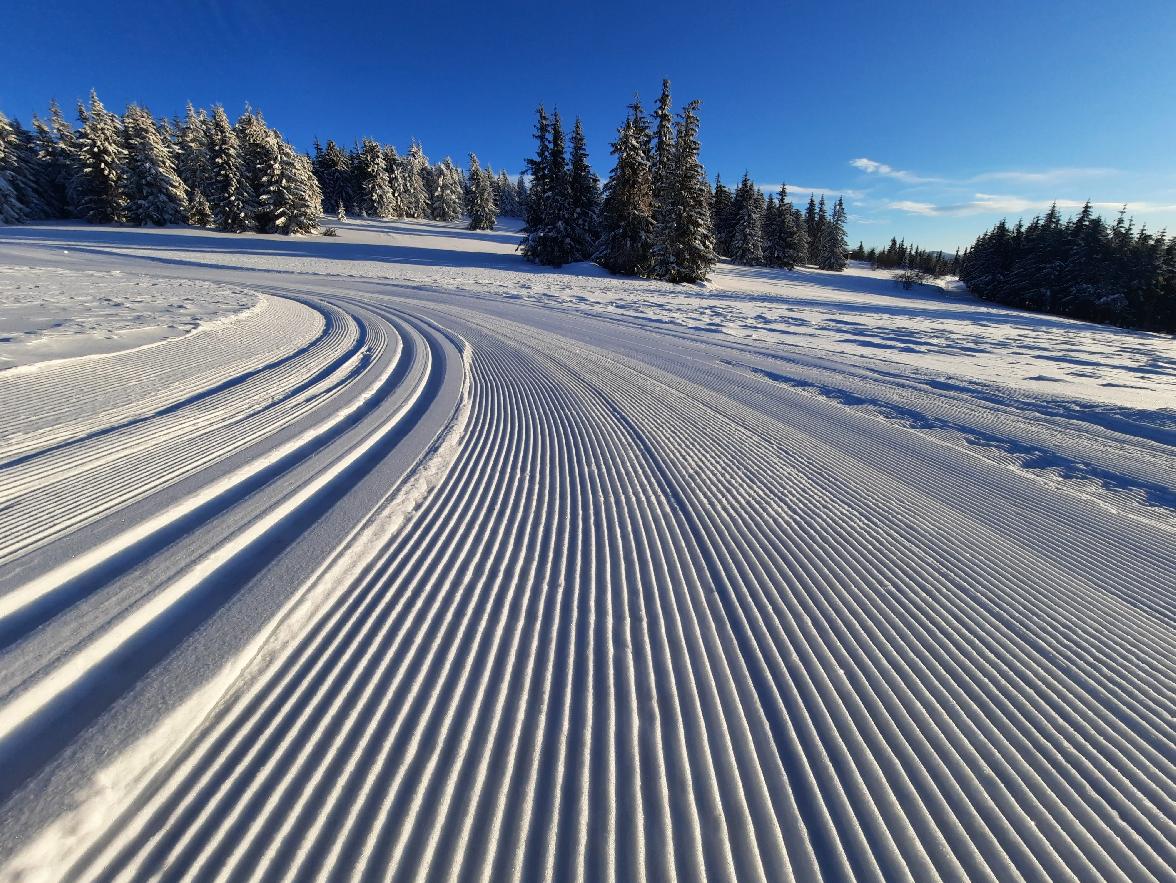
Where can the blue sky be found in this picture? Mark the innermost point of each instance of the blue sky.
(934, 119)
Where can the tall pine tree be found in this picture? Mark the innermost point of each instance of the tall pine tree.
(626, 216)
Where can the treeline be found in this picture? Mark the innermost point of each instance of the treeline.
(657, 216)
(136, 169)
(207, 171)
(373, 180)
(900, 256)
(755, 230)
(1081, 267)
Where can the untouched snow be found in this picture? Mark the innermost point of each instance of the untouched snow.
(393, 556)
(48, 314)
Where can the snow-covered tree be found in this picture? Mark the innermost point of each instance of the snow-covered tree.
(53, 142)
(101, 191)
(194, 165)
(332, 167)
(785, 242)
(375, 194)
(154, 189)
(448, 191)
(301, 204)
(831, 244)
(684, 249)
(480, 203)
(538, 168)
(26, 191)
(585, 198)
(228, 190)
(721, 205)
(747, 244)
(415, 194)
(626, 215)
(508, 196)
(552, 243)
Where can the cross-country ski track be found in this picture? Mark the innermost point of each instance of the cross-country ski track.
(376, 580)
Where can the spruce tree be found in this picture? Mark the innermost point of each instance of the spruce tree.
(538, 168)
(53, 147)
(480, 206)
(448, 192)
(101, 174)
(747, 243)
(810, 223)
(684, 251)
(12, 208)
(228, 191)
(194, 165)
(298, 207)
(154, 189)
(585, 199)
(332, 167)
(552, 243)
(831, 251)
(375, 193)
(721, 206)
(626, 216)
(415, 196)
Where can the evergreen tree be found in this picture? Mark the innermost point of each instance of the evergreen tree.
(194, 165)
(53, 145)
(12, 208)
(747, 244)
(448, 193)
(415, 196)
(722, 204)
(810, 223)
(663, 173)
(397, 180)
(626, 240)
(228, 191)
(585, 199)
(538, 168)
(832, 245)
(297, 205)
(26, 191)
(101, 174)
(786, 244)
(154, 189)
(552, 243)
(684, 250)
(375, 193)
(481, 209)
(332, 168)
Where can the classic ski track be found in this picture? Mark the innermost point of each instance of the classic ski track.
(665, 616)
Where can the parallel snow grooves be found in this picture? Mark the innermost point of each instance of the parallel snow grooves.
(72, 485)
(665, 618)
(54, 683)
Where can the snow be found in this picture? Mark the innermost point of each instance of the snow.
(53, 314)
(391, 554)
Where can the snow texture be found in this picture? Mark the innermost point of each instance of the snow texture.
(392, 555)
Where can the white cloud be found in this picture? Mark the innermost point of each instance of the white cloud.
(991, 203)
(871, 167)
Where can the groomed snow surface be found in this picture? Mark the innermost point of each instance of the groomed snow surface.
(390, 556)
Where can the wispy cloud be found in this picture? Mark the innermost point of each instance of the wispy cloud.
(872, 167)
(990, 203)
(796, 190)
(1036, 176)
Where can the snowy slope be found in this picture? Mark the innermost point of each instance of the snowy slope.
(434, 564)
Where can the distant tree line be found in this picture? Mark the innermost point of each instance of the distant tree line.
(373, 180)
(1081, 267)
(136, 169)
(209, 172)
(755, 230)
(900, 256)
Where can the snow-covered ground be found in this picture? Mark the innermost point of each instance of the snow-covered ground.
(390, 555)
(56, 314)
